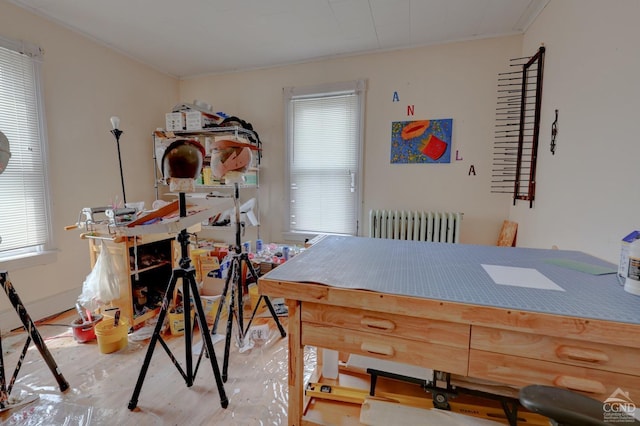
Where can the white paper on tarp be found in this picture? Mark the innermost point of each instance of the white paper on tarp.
(520, 277)
(196, 348)
(382, 413)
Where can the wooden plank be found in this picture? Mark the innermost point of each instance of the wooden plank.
(508, 233)
(438, 357)
(615, 358)
(296, 363)
(617, 333)
(403, 406)
(520, 371)
(377, 412)
(161, 212)
(384, 324)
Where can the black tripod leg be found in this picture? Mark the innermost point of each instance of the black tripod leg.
(32, 330)
(223, 299)
(4, 396)
(187, 276)
(274, 315)
(269, 305)
(154, 339)
(206, 339)
(18, 365)
(240, 295)
(227, 343)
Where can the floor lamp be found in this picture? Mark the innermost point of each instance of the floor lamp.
(115, 123)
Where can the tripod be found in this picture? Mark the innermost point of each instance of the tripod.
(29, 326)
(187, 273)
(234, 282)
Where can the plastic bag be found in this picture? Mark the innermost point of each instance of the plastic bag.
(102, 285)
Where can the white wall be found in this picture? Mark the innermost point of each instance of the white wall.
(588, 193)
(456, 81)
(84, 84)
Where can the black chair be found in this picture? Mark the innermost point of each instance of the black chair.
(566, 408)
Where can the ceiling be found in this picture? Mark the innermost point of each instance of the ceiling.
(186, 38)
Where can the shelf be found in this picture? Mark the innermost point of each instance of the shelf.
(155, 255)
(147, 315)
(228, 186)
(229, 228)
(247, 180)
(149, 268)
(212, 131)
(222, 186)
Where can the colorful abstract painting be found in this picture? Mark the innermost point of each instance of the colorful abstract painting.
(421, 141)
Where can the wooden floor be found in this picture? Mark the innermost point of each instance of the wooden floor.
(102, 385)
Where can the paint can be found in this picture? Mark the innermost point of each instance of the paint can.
(112, 338)
(84, 331)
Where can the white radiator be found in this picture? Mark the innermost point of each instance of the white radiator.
(414, 225)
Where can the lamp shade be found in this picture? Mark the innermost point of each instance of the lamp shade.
(5, 153)
(183, 159)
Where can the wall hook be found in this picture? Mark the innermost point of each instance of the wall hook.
(554, 133)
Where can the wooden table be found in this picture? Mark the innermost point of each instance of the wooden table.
(435, 305)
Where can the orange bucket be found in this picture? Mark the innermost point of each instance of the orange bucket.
(83, 331)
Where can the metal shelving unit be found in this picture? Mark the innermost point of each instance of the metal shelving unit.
(206, 190)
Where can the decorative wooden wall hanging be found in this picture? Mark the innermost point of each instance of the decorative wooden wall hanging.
(518, 128)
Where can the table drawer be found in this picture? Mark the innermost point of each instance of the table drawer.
(599, 356)
(520, 371)
(384, 324)
(425, 354)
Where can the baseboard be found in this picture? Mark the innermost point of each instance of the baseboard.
(39, 309)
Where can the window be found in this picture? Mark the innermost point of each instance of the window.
(324, 145)
(25, 226)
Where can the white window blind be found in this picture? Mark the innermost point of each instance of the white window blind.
(24, 207)
(324, 145)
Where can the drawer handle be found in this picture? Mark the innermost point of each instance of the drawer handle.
(582, 354)
(580, 384)
(377, 323)
(377, 348)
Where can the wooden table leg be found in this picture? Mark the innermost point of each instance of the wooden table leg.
(296, 364)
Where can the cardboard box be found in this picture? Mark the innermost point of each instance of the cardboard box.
(210, 296)
(207, 176)
(212, 285)
(174, 121)
(210, 306)
(194, 120)
(208, 263)
(196, 255)
(176, 322)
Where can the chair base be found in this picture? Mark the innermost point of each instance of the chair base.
(567, 408)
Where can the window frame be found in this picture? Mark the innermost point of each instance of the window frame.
(321, 90)
(42, 254)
